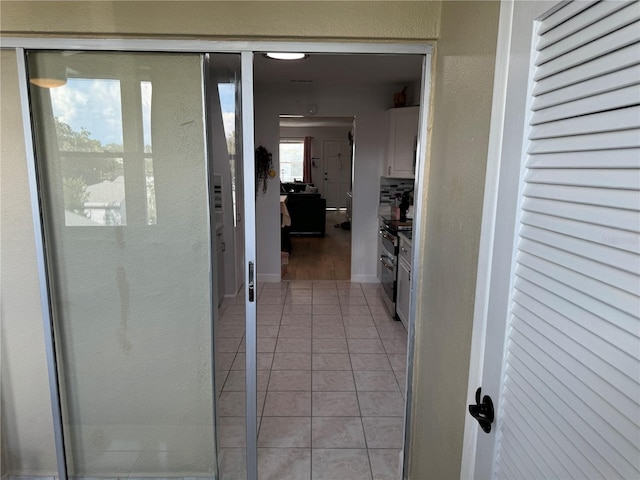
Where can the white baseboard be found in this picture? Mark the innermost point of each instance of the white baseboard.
(364, 279)
(269, 277)
(29, 477)
(275, 278)
(49, 477)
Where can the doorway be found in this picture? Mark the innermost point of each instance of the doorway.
(251, 293)
(315, 158)
(340, 357)
(335, 86)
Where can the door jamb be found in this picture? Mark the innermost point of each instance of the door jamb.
(490, 236)
(487, 232)
(42, 267)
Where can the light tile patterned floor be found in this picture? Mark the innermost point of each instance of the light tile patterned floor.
(331, 381)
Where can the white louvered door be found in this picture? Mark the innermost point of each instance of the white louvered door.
(568, 405)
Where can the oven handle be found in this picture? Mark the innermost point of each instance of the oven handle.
(384, 234)
(385, 264)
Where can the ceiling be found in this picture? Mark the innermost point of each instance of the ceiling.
(319, 69)
(340, 69)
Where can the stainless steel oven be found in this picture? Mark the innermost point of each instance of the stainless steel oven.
(389, 246)
(389, 261)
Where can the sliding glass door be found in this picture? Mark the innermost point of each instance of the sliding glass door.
(224, 124)
(126, 199)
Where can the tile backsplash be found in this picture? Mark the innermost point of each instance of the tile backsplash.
(389, 187)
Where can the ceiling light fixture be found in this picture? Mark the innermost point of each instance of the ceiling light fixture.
(48, 82)
(286, 55)
(49, 75)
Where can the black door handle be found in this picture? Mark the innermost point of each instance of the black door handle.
(483, 412)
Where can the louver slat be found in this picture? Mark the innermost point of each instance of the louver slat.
(570, 405)
(577, 379)
(564, 14)
(587, 231)
(585, 195)
(605, 318)
(617, 158)
(601, 141)
(581, 348)
(576, 23)
(615, 99)
(583, 264)
(547, 387)
(545, 271)
(625, 179)
(623, 37)
(605, 121)
(613, 62)
(625, 220)
(589, 88)
(589, 33)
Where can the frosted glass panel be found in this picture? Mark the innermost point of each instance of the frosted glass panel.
(123, 178)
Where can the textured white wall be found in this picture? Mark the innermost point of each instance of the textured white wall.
(461, 112)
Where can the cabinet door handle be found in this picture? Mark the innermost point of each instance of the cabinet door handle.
(404, 249)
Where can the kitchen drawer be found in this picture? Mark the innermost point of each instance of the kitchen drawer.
(404, 252)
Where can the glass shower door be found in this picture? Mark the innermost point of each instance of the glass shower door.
(122, 168)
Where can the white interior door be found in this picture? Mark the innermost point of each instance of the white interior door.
(337, 172)
(558, 328)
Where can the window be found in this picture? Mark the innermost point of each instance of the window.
(291, 159)
(89, 127)
(88, 124)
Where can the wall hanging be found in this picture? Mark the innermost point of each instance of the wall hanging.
(264, 168)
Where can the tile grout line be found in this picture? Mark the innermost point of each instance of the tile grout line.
(311, 397)
(364, 433)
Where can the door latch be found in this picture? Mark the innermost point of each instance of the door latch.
(252, 285)
(483, 412)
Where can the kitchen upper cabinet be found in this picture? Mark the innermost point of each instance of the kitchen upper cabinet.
(402, 128)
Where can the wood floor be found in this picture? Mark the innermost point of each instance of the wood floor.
(328, 258)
